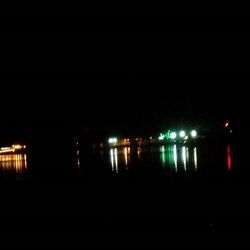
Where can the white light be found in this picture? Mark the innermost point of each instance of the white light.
(187, 154)
(161, 138)
(184, 157)
(116, 161)
(173, 135)
(175, 156)
(182, 134)
(195, 158)
(193, 133)
(112, 158)
(112, 140)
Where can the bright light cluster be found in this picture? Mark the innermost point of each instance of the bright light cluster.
(112, 140)
(12, 149)
(182, 135)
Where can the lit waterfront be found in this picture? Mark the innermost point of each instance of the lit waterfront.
(173, 158)
(13, 159)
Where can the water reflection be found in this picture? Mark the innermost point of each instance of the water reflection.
(163, 155)
(175, 156)
(187, 153)
(16, 163)
(169, 156)
(126, 156)
(139, 150)
(184, 157)
(195, 158)
(178, 157)
(120, 155)
(78, 158)
(229, 158)
(114, 159)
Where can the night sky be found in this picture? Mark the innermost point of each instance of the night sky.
(123, 68)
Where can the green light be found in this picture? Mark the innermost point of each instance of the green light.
(173, 135)
(167, 135)
(170, 155)
(163, 156)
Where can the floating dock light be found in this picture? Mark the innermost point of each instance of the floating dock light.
(182, 134)
(193, 133)
(173, 135)
(161, 137)
(112, 140)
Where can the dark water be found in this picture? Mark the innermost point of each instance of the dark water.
(170, 195)
(161, 166)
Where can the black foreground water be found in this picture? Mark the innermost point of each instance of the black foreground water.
(172, 195)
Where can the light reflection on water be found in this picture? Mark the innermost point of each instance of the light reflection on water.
(114, 159)
(175, 157)
(229, 158)
(170, 157)
(15, 163)
(184, 158)
(195, 158)
(178, 157)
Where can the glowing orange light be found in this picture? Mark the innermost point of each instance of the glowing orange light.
(13, 162)
(13, 148)
(126, 156)
(226, 124)
(5, 148)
